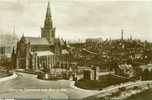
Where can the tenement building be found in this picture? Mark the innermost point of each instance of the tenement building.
(42, 53)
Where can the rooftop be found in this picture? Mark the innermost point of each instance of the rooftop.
(43, 53)
(37, 41)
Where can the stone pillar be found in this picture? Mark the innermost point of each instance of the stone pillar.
(17, 63)
(53, 58)
(26, 62)
(51, 61)
(47, 62)
(33, 61)
(36, 62)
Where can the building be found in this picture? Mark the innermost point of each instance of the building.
(7, 42)
(42, 53)
(6, 46)
(94, 40)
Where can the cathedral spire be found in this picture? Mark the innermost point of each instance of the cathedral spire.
(48, 31)
(48, 13)
(48, 19)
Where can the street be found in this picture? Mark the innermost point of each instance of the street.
(27, 85)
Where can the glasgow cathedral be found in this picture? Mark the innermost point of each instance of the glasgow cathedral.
(45, 52)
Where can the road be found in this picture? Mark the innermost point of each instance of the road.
(27, 85)
(111, 89)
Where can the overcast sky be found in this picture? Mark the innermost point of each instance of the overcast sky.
(76, 19)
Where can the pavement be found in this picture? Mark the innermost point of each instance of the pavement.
(28, 86)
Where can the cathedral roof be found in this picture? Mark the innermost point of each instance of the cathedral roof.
(44, 53)
(37, 41)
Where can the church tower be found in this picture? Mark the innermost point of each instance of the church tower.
(48, 31)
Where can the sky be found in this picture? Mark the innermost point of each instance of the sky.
(79, 19)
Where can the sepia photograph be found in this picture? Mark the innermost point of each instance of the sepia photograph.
(75, 50)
